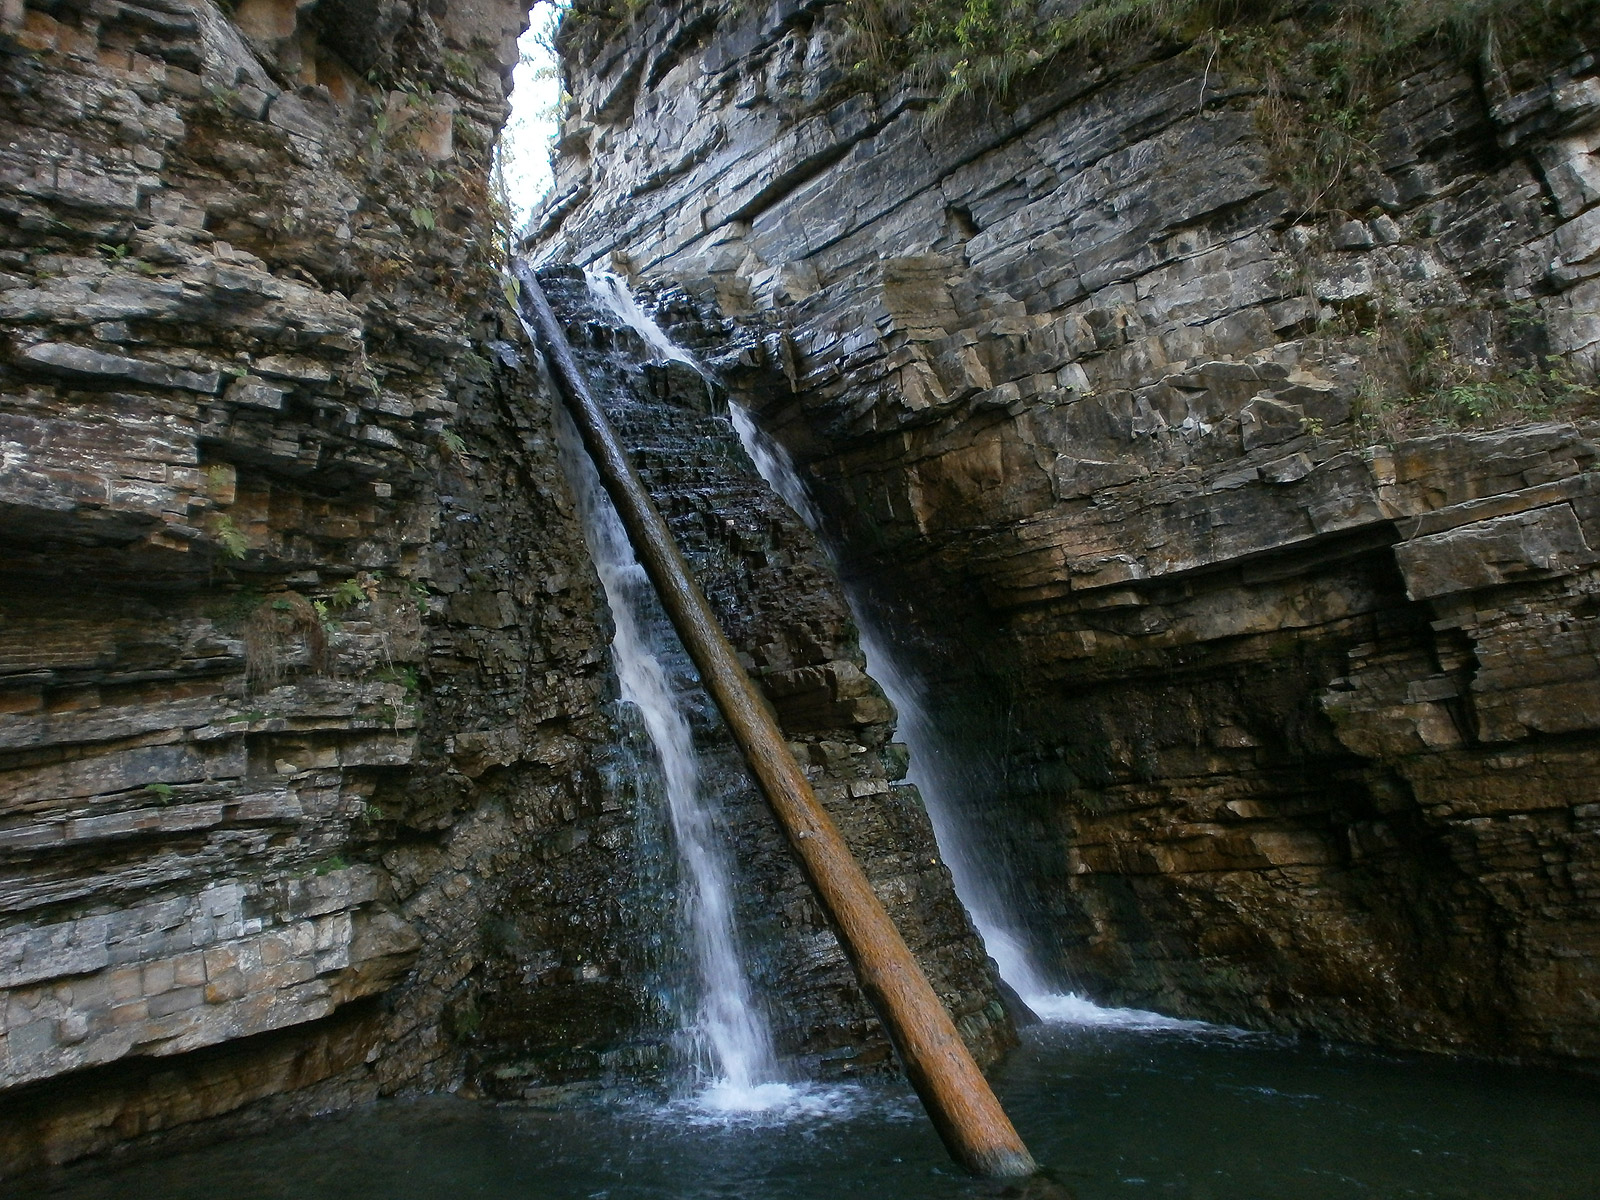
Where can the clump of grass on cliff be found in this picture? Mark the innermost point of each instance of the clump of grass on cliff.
(1437, 369)
(983, 48)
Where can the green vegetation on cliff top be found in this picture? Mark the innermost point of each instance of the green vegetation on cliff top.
(982, 47)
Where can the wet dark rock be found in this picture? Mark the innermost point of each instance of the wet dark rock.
(277, 740)
(1296, 711)
(312, 783)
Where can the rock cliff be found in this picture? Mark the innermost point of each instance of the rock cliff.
(301, 652)
(311, 778)
(1250, 517)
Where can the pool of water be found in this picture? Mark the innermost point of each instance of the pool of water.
(1115, 1111)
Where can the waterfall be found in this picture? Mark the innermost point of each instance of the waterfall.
(938, 779)
(614, 296)
(729, 1039)
(774, 466)
(942, 784)
(935, 776)
(934, 773)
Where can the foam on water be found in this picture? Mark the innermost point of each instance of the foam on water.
(728, 1104)
(1068, 1008)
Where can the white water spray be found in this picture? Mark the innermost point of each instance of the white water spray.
(774, 466)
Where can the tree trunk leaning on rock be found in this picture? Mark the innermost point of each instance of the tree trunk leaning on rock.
(963, 1108)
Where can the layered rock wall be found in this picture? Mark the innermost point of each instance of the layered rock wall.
(314, 786)
(302, 657)
(1290, 679)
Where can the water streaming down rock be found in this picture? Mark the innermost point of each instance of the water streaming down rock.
(730, 1042)
(614, 296)
(979, 880)
(770, 587)
(930, 769)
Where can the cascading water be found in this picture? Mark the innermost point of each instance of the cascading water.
(937, 778)
(774, 466)
(729, 1038)
(978, 882)
(929, 769)
(940, 783)
(1143, 1107)
(613, 295)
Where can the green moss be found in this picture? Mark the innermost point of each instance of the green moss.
(463, 1019)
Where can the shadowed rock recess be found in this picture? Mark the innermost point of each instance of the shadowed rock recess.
(1252, 545)
(1263, 616)
(313, 783)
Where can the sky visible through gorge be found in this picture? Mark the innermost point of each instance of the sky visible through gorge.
(525, 145)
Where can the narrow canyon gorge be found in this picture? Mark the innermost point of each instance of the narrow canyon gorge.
(1215, 431)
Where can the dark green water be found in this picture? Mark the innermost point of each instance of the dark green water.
(1115, 1113)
